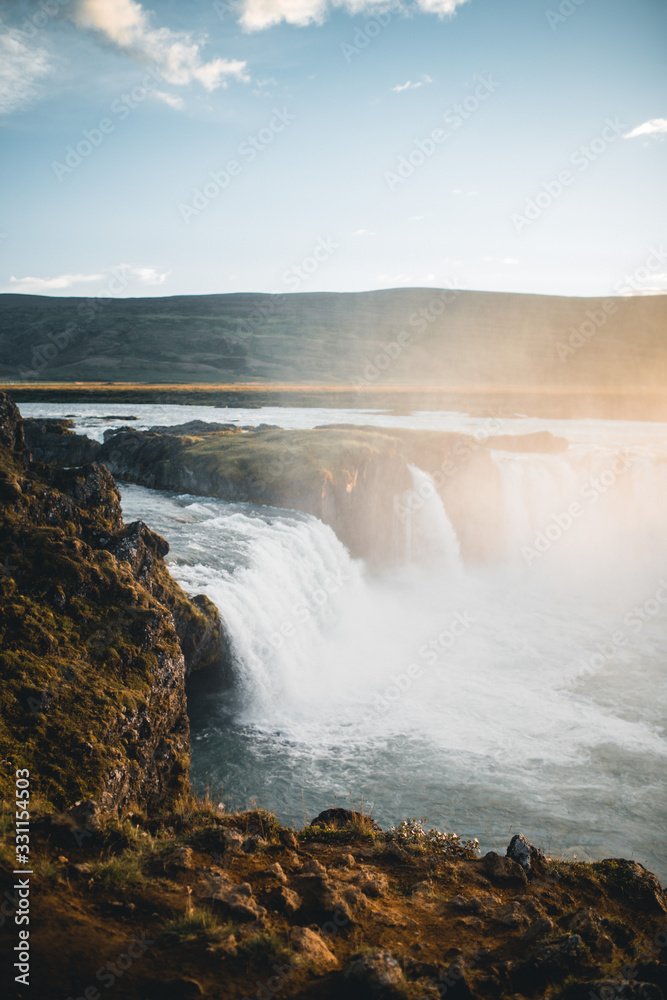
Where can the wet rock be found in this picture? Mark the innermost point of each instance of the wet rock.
(524, 854)
(192, 427)
(503, 870)
(377, 976)
(54, 442)
(12, 433)
(310, 947)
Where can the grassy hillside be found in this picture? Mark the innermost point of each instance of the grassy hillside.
(436, 337)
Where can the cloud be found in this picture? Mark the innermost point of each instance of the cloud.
(127, 273)
(177, 103)
(145, 275)
(21, 67)
(409, 85)
(363, 232)
(175, 54)
(654, 126)
(259, 14)
(29, 284)
(499, 260)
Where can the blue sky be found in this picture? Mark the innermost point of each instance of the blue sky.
(509, 145)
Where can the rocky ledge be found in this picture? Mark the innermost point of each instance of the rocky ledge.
(348, 476)
(239, 908)
(96, 638)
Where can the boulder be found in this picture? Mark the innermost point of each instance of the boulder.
(232, 901)
(341, 819)
(524, 854)
(310, 947)
(375, 977)
(503, 870)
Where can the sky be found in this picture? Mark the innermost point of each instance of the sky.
(208, 146)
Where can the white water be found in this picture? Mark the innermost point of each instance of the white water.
(529, 691)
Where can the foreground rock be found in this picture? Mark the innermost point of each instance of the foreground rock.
(95, 637)
(211, 915)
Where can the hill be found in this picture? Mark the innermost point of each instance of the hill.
(395, 337)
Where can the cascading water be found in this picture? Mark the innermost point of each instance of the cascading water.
(528, 690)
(429, 534)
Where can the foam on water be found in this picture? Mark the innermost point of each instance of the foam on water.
(527, 691)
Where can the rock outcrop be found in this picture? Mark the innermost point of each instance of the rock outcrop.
(95, 638)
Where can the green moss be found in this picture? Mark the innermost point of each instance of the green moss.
(81, 639)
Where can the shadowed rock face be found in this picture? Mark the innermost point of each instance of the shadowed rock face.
(96, 639)
(355, 479)
(352, 478)
(54, 442)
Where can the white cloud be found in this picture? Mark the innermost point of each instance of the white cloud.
(409, 85)
(363, 232)
(125, 273)
(258, 14)
(499, 260)
(29, 284)
(177, 103)
(175, 54)
(21, 67)
(144, 275)
(654, 126)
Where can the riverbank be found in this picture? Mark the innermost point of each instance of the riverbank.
(200, 904)
(614, 402)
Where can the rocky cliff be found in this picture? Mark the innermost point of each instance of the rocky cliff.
(356, 479)
(96, 638)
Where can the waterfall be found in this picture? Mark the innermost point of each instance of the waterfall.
(597, 515)
(429, 534)
(278, 579)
